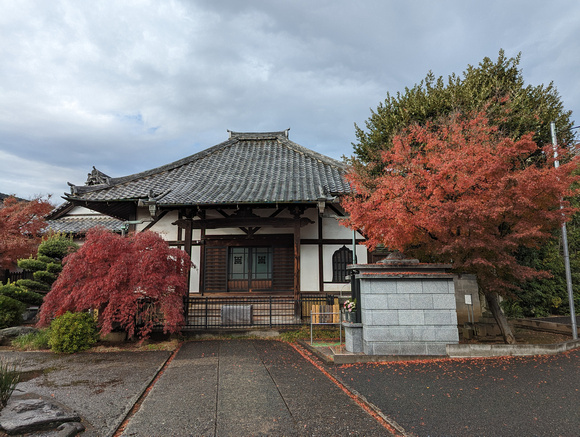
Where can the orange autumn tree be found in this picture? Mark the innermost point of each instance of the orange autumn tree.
(125, 279)
(21, 225)
(459, 192)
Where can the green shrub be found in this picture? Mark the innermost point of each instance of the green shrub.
(72, 332)
(9, 377)
(55, 268)
(44, 277)
(46, 259)
(10, 312)
(21, 294)
(33, 340)
(31, 264)
(11, 289)
(57, 246)
(33, 285)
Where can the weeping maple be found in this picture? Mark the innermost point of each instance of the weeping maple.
(21, 224)
(457, 191)
(134, 282)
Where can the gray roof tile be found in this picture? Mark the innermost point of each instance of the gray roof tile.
(247, 168)
(80, 225)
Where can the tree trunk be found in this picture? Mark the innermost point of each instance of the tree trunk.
(500, 318)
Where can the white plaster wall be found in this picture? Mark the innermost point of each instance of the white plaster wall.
(309, 280)
(163, 227)
(333, 229)
(361, 254)
(194, 278)
(311, 230)
(81, 210)
(342, 289)
(309, 268)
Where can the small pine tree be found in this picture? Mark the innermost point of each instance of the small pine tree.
(48, 263)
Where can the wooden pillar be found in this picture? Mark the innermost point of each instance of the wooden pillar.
(296, 257)
(187, 242)
(187, 247)
(320, 256)
(201, 266)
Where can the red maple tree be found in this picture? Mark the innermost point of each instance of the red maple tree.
(134, 282)
(457, 191)
(21, 223)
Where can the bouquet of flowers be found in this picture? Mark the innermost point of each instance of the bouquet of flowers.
(349, 305)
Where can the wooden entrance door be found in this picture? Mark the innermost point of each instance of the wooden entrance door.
(250, 268)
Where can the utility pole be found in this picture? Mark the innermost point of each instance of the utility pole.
(565, 245)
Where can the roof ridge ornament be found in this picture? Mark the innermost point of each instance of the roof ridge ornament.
(97, 177)
(258, 135)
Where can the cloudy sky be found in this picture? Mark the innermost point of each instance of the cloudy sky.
(131, 85)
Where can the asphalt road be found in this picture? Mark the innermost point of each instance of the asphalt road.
(509, 396)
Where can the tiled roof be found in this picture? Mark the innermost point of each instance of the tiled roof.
(80, 225)
(247, 168)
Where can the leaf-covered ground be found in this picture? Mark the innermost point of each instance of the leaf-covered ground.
(505, 396)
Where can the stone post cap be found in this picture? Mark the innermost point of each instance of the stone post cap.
(397, 257)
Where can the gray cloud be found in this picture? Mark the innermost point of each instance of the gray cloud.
(131, 85)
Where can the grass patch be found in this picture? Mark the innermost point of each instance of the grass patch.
(169, 345)
(9, 377)
(304, 334)
(32, 341)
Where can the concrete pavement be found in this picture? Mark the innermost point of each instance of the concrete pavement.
(247, 388)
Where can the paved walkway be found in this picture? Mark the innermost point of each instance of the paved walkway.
(247, 388)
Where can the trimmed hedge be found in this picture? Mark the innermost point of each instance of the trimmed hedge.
(55, 268)
(57, 246)
(33, 285)
(21, 294)
(31, 264)
(44, 277)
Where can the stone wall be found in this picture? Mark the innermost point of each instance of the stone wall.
(408, 313)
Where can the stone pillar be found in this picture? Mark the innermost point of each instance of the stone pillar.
(353, 337)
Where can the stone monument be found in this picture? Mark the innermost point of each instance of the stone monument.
(407, 308)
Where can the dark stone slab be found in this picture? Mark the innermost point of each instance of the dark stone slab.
(8, 334)
(22, 416)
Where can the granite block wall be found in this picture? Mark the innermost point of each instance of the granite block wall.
(408, 316)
